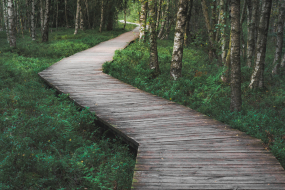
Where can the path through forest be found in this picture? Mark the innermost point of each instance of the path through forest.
(178, 148)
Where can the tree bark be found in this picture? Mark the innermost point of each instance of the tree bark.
(77, 16)
(42, 16)
(236, 101)
(177, 55)
(125, 14)
(242, 18)
(46, 22)
(257, 75)
(56, 19)
(164, 20)
(188, 20)
(153, 57)
(81, 18)
(209, 28)
(279, 39)
(6, 21)
(222, 21)
(251, 31)
(158, 14)
(143, 18)
(87, 12)
(65, 11)
(33, 21)
(167, 31)
(102, 16)
(12, 36)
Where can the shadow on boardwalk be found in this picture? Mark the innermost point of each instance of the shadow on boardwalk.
(178, 148)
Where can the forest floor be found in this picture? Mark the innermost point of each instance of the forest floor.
(47, 142)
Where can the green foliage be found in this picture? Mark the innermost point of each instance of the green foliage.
(200, 88)
(46, 141)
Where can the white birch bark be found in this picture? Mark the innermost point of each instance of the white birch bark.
(33, 21)
(5, 14)
(102, 16)
(46, 22)
(12, 36)
(77, 17)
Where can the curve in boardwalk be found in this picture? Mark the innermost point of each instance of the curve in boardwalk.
(179, 148)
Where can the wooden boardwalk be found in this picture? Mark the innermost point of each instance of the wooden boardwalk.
(178, 148)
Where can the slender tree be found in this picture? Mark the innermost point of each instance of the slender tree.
(6, 21)
(46, 22)
(153, 58)
(143, 18)
(33, 27)
(12, 36)
(77, 16)
(164, 20)
(188, 20)
(158, 14)
(102, 16)
(279, 39)
(65, 11)
(222, 21)
(257, 80)
(177, 55)
(251, 29)
(236, 101)
(81, 25)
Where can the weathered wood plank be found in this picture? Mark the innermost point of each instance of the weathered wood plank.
(179, 148)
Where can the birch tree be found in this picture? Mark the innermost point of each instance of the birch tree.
(6, 21)
(222, 21)
(153, 57)
(65, 11)
(143, 18)
(33, 30)
(164, 19)
(81, 25)
(257, 80)
(102, 16)
(236, 101)
(251, 29)
(279, 39)
(188, 20)
(77, 16)
(46, 22)
(12, 37)
(177, 55)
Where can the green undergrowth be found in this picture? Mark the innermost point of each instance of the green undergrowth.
(46, 142)
(200, 88)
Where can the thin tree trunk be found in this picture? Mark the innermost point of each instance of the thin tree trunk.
(46, 22)
(5, 14)
(214, 17)
(87, 11)
(223, 32)
(257, 79)
(125, 14)
(164, 20)
(209, 28)
(153, 57)
(77, 17)
(188, 20)
(33, 30)
(177, 55)
(102, 16)
(56, 19)
(42, 16)
(65, 8)
(251, 32)
(242, 18)
(236, 101)
(167, 31)
(279, 39)
(158, 14)
(143, 18)
(12, 36)
(81, 19)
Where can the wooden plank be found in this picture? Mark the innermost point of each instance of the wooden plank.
(179, 148)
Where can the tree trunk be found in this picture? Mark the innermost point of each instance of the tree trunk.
(164, 20)
(56, 19)
(177, 55)
(188, 20)
(214, 17)
(12, 36)
(236, 101)
(167, 31)
(33, 21)
(102, 16)
(153, 58)
(46, 22)
(223, 32)
(257, 75)
(6, 21)
(158, 14)
(42, 16)
(77, 16)
(279, 39)
(65, 9)
(242, 18)
(209, 28)
(110, 17)
(227, 64)
(251, 32)
(143, 18)
(125, 14)
(81, 19)
(87, 11)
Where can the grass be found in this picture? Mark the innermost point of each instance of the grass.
(200, 88)
(46, 141)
